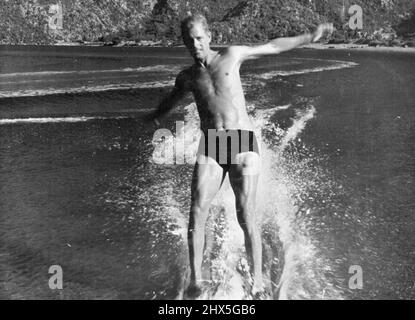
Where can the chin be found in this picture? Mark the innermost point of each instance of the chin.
(200, 56)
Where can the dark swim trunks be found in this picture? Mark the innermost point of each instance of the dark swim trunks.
(224, 145)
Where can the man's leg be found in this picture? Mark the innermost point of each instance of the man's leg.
(244, 180)
(206, 182)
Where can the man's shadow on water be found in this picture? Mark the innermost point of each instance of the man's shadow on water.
(273, 259)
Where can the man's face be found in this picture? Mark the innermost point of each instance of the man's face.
(197, 41)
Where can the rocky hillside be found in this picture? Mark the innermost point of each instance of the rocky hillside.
(138, 21)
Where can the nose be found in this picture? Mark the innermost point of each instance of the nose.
(196, 43)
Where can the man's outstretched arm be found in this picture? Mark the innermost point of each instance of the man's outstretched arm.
(284, 44)
(170, 101)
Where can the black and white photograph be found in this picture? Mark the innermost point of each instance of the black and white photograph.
(212, 150)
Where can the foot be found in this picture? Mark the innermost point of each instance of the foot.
(260, 295)
(193, 291)
(258, 289)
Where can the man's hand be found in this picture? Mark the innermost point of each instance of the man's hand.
(279, 45)
(157, 122)
(151, 118)
(321, 30)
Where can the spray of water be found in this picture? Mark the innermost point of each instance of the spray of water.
(293, 267)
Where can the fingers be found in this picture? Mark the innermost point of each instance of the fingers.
(147, 117)
(327, 27)
(322, 29)
(150, 118)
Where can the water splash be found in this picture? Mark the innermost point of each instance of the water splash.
(85, 89)
(56, 119)
(293, 267)
(331, 65)
(155, 68)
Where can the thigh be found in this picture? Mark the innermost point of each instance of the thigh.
(207, 179)
(247, 164)
(243, 177)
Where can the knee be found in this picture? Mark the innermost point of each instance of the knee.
(245, 206)
(249, 227)
(198, 212)
(198, 208)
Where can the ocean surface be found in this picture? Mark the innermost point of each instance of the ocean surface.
(87, 185)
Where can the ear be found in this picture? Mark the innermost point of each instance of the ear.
(209, 36)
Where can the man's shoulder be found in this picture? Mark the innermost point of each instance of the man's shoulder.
(236, 48)
(236, 51)
(184, 77)
(185, 73)
(188, 72)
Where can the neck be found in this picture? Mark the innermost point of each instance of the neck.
(207, 60)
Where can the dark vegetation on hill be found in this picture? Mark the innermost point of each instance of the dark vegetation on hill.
(141, 22)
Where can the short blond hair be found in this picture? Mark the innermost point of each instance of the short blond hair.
(188, 22)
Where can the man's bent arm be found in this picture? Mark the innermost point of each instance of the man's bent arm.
(284, 44)
(170, 101)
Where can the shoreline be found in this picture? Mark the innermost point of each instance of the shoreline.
(359, 47)
(315, 46)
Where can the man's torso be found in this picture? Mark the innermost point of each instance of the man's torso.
(218, 92)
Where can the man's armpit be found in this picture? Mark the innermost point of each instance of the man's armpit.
(182, 82)
(238, 52)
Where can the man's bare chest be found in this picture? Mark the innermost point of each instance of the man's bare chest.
(214, 78)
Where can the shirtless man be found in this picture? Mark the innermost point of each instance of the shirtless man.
(216, 86)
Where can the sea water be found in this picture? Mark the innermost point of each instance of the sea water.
(83, 185)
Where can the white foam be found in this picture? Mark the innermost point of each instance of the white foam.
(150, 84)
(298, 126)
(336, 66)
(155, 68)
(303, 267)
(85, 89)
(55, 120)
(303, 274)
